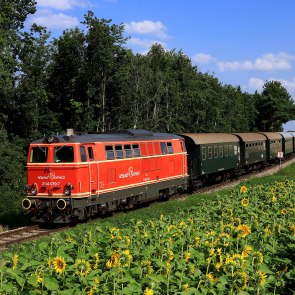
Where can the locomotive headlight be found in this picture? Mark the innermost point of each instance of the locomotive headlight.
(34, 189)
(68, 189)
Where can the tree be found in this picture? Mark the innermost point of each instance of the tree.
(275, 107)
(103, 55)
(66, 84)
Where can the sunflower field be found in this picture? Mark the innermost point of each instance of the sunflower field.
(240, 243)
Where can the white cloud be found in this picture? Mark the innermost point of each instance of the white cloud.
(268, 62)
(54, 20)
(256, 84)
(145, 43)
(147, 27)
(202, 58)
(62, 4)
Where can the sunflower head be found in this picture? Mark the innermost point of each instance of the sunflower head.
(83, 267)
(59, 264)
(243, 189)
(244, 229)
(245, 202)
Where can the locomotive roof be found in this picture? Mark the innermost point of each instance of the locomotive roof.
(247, 136)
(109, 136)
(272, 135)
(206, 138)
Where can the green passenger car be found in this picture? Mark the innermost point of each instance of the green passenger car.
(287, 143)
(253, 148)
(274, 144)
(212, 153)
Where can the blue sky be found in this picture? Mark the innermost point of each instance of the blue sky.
(241, 42)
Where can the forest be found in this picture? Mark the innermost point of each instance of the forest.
(88, 80)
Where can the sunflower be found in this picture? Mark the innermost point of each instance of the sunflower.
(292, 228)
(187, 256)
(148, 291)
(211, 278)
(113, 261)
(243, 189)
(257, 257)
(83, 267)
(125, 258)
(59, 264)
(262, 277)
(246, 251)
(96, 261)
(240, 280)
(245, 230)
(284, 211)
(39, 280)
(185, 287)
(245, 202)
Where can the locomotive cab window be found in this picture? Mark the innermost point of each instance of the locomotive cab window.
(90, 153)
(39, 154)
(170, 148)
(63, 154)
(110, 152)
(163, 146)
(83, 154)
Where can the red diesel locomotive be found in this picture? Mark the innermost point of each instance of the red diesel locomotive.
(72, 177)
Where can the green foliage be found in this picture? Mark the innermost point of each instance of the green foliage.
(275, 107)
(241, 241)
(11, 174)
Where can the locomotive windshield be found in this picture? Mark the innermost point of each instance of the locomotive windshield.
(39, 154)
(63, 154)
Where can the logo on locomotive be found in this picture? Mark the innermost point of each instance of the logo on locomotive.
(130, 173)
(51, 176)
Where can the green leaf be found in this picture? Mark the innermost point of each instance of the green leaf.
(33, 281)
(51, 284)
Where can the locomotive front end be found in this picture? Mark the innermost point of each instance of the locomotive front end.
(51, 181)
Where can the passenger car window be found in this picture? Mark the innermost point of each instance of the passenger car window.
(39, 154)
(203, 153)
(63, 154)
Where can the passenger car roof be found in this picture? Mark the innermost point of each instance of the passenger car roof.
(206, 138)
(247, 136)
(272, 135)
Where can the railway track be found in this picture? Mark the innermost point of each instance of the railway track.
(24, 234)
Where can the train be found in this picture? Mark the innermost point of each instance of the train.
(74, 176)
